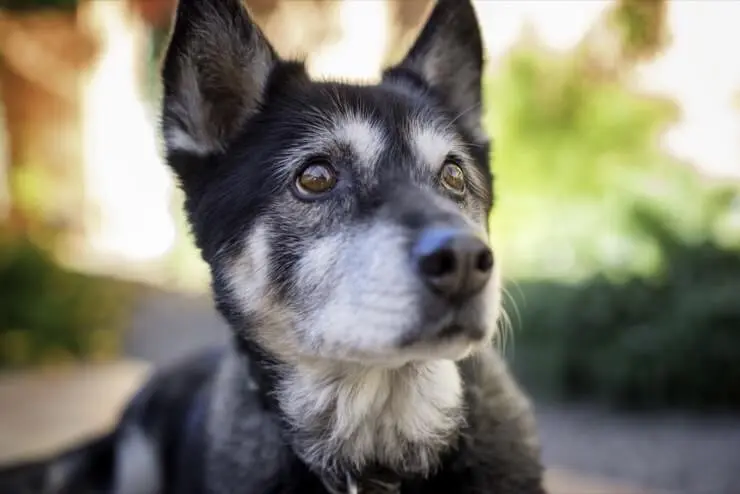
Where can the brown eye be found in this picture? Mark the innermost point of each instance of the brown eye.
(317, 178)
(453, 177)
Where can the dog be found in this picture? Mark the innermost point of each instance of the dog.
(346, 231)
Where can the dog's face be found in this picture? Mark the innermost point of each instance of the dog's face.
(340, 222)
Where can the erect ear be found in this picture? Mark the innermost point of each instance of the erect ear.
(215, 73)
(447, 57)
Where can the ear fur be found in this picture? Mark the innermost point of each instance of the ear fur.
(215, 72)
(447, 57)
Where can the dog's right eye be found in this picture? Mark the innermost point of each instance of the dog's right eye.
(317, 177)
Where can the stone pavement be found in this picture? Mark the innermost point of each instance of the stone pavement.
(43, 412)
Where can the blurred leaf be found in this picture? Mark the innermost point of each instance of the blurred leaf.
(22, 5)
(51, 315)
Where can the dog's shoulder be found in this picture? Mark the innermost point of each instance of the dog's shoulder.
(499, 445)
(245, 449)
(171, 388)
(162, 429)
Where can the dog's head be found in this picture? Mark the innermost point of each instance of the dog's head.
(340, 221)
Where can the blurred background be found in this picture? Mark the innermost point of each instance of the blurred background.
(617, 163)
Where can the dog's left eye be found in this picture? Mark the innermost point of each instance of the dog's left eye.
(317, 177)
(453, 177)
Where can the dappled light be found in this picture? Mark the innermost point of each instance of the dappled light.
(126, 177)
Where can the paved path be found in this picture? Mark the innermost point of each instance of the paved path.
(44, 412)
(673, 452)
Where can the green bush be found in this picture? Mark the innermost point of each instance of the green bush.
(624, 264)
(50, 315)
(23, 5)
(672, 340)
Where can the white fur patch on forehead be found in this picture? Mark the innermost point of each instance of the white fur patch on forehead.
(432, 143)
(363, 135)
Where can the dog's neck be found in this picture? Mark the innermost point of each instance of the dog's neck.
(348, 418)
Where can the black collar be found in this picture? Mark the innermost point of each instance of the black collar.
(374, 481)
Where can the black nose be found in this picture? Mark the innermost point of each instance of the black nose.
(454, 263)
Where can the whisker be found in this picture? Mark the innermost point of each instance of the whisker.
(511, 298)
(465, 112)
(504, 333)
(513, 282)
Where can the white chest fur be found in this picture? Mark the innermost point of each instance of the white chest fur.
(398, 417)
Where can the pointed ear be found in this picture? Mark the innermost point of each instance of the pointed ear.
(214, 74)
(447, 58)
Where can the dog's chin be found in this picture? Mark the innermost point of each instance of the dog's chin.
(449, 343)
(396, 358)
(452, 343)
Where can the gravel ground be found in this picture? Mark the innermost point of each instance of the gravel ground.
(669, 452)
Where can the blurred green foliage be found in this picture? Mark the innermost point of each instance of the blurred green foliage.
(579, 146)
(641, 25)
(49, 315)
(671, 340)
(625, 265)
(21, 5)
